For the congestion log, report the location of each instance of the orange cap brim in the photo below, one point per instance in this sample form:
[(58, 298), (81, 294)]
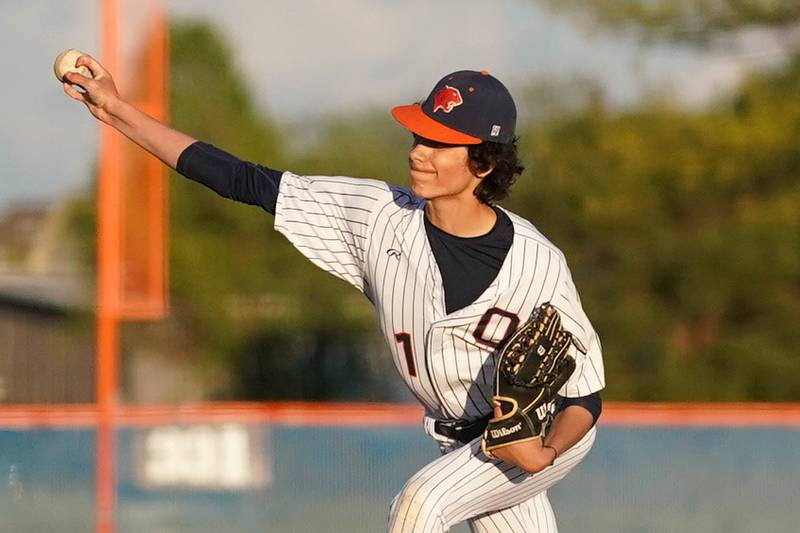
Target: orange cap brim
[(414, 120)]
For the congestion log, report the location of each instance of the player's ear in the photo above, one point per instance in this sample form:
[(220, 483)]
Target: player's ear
[(480, 161), (485, 173)]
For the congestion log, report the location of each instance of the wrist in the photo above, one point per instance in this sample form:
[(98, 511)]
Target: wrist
[(117, 109), (554, 450)]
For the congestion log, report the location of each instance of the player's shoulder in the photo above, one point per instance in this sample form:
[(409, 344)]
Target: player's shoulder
[(526, 232), (369, 186), (351, 185)]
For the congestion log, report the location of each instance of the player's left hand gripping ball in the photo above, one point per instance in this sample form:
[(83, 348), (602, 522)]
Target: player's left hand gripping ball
[(531, 368)]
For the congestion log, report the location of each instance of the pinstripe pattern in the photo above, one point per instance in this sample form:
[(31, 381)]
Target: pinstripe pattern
[(534, 516), (372, 235), (465, 485)]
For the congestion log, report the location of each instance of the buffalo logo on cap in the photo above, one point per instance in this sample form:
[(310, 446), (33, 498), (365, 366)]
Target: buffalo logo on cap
[(446, 99)]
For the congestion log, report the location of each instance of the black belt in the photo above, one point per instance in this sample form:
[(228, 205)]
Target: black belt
[(461, 430)]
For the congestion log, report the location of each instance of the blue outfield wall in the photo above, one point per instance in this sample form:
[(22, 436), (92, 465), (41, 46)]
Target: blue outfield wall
[(335, 479)]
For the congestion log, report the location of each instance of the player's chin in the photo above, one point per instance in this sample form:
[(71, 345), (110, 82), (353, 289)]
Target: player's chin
[(420, 190), (420, 183)]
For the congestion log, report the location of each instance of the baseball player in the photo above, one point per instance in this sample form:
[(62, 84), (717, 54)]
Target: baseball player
[(451, 276)]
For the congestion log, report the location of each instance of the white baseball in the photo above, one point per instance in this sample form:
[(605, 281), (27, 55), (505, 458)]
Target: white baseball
[(65, 62)]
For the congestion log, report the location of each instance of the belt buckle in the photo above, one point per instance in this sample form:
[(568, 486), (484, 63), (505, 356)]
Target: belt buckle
[(455, 429), (448, 428)]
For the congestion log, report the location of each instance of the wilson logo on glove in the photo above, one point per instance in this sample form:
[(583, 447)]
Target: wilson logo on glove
[(503, 432)]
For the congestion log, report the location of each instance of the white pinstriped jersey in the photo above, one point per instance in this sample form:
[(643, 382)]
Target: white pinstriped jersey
[(372, 235)]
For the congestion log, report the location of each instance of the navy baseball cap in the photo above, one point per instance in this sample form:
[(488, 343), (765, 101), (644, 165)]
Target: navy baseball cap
[(465, 107)]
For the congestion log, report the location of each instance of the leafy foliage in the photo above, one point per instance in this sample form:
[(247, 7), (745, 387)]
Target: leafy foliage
[(683, 232), (695, 21), (239, 286)]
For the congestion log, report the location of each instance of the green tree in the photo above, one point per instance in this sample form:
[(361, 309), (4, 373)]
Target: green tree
[(284, 327), (683, 232), (697, 21)]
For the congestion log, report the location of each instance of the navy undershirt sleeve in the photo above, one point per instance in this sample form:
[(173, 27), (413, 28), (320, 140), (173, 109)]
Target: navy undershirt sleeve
[(592, 403), (229, 176)]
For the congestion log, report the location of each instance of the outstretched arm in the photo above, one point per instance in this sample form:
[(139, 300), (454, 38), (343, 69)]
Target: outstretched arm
[(105, 103), (218, 170)]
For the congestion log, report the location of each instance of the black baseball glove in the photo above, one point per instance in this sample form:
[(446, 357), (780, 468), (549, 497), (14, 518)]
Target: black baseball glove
[(532, 366)]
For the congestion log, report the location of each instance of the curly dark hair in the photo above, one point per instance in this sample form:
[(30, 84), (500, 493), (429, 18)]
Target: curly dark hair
[(507, 166)]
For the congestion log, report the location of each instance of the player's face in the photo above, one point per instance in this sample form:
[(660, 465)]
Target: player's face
[(440, 170)]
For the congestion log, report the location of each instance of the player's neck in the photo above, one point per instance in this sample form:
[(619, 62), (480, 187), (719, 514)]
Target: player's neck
[(459, 218)]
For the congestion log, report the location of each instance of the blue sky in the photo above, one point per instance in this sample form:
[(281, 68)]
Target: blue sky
[(319, 56)]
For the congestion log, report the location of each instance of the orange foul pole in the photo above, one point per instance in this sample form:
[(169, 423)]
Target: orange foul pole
[(108, 268), (132, 203)]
